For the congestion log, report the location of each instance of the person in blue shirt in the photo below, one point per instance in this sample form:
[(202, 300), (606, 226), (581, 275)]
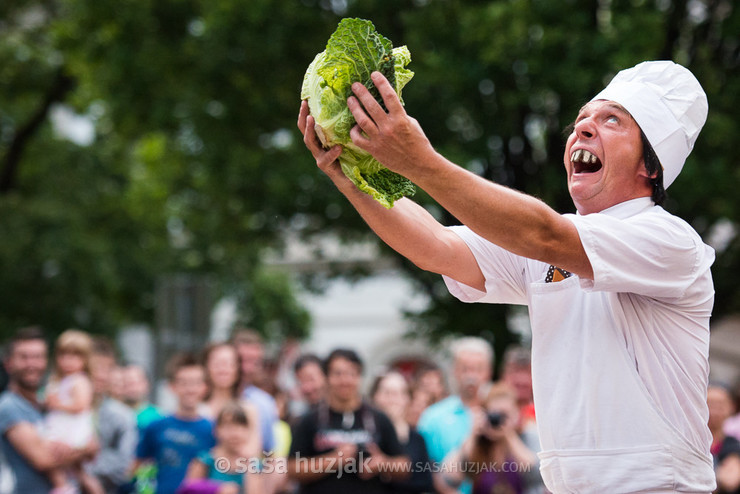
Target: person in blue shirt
[(446, 424), (173, 441)]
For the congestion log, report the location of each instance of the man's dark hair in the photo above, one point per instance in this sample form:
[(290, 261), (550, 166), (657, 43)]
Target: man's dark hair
[(344, 353), (25, 334), (304, 360), (653, 166), (180, 361)]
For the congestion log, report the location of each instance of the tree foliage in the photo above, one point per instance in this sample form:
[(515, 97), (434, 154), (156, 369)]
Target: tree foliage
[(196, 165)]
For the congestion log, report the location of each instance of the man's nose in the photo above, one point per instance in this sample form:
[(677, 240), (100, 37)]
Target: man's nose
[(584, 128)]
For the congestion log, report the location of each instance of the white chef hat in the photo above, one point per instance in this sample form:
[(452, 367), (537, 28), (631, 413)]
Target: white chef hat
[(668, 104)]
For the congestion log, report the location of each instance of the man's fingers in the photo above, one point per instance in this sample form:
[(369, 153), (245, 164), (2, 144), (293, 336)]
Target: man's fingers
[(309, 135), (371, 118), (323, 157), (388, 93), (329, 157), (358, 138), (366, 123), (302, 116), (369, 104)]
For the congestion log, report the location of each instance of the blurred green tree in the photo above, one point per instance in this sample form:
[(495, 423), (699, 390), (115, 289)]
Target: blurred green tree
[(193, 162)]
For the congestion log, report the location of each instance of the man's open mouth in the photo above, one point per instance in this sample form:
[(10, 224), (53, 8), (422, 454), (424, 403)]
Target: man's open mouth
[(584, 162)]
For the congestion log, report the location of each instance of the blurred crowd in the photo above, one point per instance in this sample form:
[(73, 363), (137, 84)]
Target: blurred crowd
[(74, 419)]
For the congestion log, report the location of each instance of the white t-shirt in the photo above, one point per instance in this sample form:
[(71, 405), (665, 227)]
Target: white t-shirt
[(620, 363)]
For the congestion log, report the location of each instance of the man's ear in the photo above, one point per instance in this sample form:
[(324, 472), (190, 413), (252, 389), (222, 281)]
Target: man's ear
[(643, 171)]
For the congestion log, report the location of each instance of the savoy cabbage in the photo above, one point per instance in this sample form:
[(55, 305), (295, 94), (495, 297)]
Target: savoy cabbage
[(353, 52)]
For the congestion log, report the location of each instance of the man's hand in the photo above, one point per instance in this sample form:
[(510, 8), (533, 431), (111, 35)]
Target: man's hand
[(59, 451), (393, 138), (62, 453), (91, 449), (326, 159)]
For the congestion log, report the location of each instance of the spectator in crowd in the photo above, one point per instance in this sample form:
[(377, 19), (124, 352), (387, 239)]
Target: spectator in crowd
[(517, 373), (115, 423), (222, 387), (390, 393), (332, 442), (117, 385), (251, 351), (173, 441), (230, 466), (494, 455), (420, 401), (69, 403), (309, 375), (136, 390), (27, 452), (431, 379), (446, 424), (725, 449)]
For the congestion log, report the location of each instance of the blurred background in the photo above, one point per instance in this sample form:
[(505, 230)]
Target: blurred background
[(154, 186)]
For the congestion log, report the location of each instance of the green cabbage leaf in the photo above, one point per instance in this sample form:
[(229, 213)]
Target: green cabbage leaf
[(353, 52)]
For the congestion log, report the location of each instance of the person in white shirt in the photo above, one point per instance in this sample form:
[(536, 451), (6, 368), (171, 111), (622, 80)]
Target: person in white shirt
[(619, 295)]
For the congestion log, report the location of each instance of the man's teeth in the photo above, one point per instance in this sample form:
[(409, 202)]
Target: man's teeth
[(583, 156)]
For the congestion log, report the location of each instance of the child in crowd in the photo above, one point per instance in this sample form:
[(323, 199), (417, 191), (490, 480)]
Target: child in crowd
[(69, 400), (173, 441), (227, 468)]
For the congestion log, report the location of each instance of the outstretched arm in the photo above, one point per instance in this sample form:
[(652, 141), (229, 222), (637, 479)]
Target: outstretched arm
[(517, 222), (407, 227)]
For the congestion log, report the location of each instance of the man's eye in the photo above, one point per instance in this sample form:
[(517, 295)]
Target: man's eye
[(612, 118)]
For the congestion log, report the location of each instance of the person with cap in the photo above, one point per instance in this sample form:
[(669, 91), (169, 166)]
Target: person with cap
[(619, 294)]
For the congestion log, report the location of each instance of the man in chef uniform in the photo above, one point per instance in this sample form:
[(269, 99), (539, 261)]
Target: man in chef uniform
[(619, 294)]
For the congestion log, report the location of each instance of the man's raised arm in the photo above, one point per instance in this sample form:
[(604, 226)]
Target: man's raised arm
[(517, 222), (407, 227)]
